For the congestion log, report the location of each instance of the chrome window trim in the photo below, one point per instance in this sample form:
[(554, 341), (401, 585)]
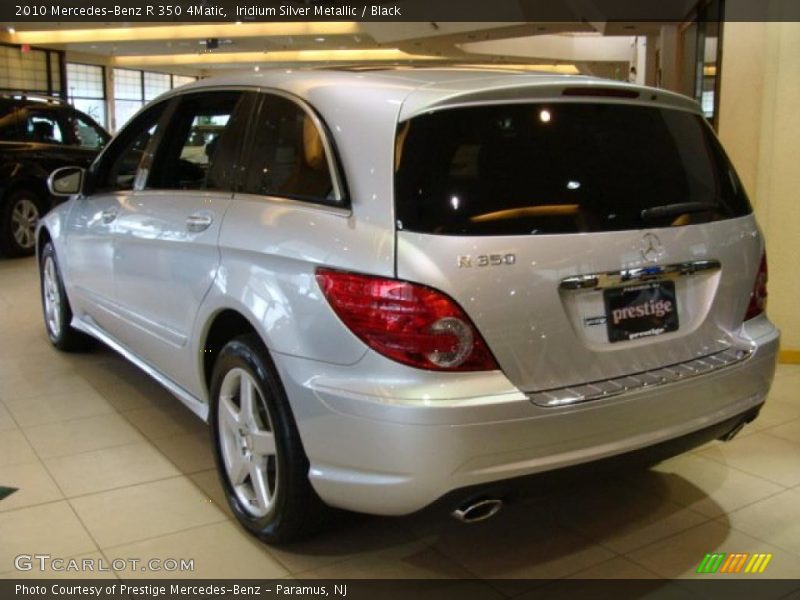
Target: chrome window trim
[(599, 281)]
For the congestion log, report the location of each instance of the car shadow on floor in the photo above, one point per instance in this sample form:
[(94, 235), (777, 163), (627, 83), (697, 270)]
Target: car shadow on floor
[(552, 525)]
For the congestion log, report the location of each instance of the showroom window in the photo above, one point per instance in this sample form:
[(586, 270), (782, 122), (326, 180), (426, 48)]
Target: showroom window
[(32, 70), (128, 94), (134, 88), (155, 84), (86, 90)]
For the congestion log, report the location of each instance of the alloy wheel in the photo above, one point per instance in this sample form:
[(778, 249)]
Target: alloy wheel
[(247, 441), (52, 297), (24, 217)]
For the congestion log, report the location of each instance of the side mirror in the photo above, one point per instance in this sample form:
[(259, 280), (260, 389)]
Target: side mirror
[(66, 181)]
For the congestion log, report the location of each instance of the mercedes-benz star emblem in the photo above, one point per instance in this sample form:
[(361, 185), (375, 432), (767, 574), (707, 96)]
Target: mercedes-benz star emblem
[(652, 249)]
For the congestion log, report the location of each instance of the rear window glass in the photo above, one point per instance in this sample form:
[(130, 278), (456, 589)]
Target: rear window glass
[(522, 169)]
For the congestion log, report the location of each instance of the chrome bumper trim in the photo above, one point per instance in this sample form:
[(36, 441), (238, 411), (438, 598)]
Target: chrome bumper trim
[(613, 387)]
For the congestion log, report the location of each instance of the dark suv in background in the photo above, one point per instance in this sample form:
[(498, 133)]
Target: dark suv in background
[(37, 135)]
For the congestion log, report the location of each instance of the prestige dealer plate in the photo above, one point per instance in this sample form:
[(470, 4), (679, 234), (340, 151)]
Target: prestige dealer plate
[(638, 311)]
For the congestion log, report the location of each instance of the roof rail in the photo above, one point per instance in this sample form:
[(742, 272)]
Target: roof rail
[(443, 64), (34, 96)]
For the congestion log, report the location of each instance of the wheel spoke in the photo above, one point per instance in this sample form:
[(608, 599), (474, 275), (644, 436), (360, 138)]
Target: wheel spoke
[(258, 478), (228, 414), (263, 443), (247, 391), (238, 467)]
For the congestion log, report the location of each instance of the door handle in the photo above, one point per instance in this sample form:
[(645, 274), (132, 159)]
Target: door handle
[(199, 222), (108, 215)]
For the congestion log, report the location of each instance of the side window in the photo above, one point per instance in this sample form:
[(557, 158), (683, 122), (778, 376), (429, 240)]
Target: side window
[(43, 128), (197, 148), (288, 155), (120, 163), (86, 134)]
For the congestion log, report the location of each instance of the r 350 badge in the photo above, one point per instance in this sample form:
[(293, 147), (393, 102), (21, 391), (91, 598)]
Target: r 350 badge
[(486, 260)]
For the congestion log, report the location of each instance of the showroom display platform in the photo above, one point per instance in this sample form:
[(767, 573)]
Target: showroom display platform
[(108, 466)]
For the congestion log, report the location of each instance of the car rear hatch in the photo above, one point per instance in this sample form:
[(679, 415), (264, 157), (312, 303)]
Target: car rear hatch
[(590, 232)]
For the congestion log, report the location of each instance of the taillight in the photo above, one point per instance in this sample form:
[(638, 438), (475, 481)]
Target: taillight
[(758, 297), (407, 322)]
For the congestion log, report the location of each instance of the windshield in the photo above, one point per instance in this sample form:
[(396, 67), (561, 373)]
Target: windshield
[(522, 169)]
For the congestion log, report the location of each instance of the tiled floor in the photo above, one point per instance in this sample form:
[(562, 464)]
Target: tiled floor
[(109, 465)]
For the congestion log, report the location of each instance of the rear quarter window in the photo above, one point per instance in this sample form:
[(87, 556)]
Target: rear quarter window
[(537, 169)]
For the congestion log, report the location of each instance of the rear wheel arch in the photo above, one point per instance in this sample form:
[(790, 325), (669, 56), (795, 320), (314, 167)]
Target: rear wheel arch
[(222, 327), (31, 184)]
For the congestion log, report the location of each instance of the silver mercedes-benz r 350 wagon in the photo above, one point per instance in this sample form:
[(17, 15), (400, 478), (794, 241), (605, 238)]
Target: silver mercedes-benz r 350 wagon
[(382, 288)]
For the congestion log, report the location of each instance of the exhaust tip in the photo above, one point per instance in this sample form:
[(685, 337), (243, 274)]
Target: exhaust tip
[(478, 510), (733, 432)]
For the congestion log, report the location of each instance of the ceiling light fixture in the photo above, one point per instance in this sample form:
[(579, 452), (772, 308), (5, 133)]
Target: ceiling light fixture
[(382, 54), (196, 31)]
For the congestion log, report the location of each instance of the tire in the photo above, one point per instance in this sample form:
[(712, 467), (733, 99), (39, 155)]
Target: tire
[(20, 213), (260, 458), (55, 306)]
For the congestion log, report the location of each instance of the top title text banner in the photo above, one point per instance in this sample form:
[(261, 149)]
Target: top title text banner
[(592, 11)]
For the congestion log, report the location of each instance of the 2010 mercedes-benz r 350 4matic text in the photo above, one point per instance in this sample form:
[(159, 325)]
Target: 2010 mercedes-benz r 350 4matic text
[(383, 287)]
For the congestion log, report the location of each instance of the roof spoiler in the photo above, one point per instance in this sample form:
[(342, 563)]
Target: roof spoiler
[(522, 88)]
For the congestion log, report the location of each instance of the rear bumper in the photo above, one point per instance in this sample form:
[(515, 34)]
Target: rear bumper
[(394, 445), (600, 468)]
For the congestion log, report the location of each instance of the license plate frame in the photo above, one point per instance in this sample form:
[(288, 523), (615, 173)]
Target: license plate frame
[(641, 310)]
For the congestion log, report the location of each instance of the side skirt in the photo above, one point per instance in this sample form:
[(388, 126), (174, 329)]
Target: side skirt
[(195, 405)]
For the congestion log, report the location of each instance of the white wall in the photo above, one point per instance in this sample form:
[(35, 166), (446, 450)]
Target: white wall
[(759, 123)]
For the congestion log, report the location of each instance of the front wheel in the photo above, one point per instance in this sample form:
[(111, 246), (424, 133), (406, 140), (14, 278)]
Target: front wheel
[(259, 456), (55, 306)]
